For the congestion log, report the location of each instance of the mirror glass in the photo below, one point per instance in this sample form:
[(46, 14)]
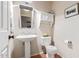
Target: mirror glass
[(26, 16)]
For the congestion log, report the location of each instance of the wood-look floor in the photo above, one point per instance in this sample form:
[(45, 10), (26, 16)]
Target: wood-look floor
[(44, 56)]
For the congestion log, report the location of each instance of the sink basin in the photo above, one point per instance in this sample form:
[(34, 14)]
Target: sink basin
[(25, 37)]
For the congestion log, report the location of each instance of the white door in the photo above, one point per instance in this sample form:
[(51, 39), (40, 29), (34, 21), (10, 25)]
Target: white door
[(4, 28)]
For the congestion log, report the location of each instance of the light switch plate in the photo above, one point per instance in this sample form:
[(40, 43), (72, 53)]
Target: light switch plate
[(69, 44)]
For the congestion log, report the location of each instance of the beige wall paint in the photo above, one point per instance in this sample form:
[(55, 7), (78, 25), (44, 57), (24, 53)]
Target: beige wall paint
[(66, 29), (42, 5)]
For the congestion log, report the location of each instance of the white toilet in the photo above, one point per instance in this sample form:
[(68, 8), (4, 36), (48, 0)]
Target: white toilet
[(50, 49)]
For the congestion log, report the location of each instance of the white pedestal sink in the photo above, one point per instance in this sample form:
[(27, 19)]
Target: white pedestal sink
[(26, 39)]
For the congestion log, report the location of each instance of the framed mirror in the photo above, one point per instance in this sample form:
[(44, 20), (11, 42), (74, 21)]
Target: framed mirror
[(26, 16)]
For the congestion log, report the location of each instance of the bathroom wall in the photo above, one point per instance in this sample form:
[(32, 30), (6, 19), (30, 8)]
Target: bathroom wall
[(43, 6), (66, 29)]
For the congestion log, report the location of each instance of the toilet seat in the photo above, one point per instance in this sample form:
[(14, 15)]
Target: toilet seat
[(51, 48)]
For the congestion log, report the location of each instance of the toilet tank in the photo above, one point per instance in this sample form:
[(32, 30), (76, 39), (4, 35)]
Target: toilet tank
[(45, 41)]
